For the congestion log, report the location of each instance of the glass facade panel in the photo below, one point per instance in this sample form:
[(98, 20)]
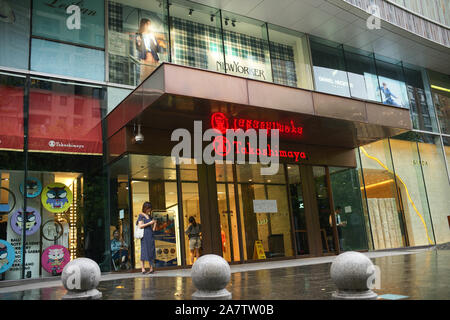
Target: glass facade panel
[(362, 75), (264, 212), (246, 47), (324, 210), (137, 39), (298, 210), (67, 60), (446, 141), (422, 111), (14, 33), (392, 84), (11, 111), (329, 67), (436, 181), (115, 96), (386, 213), (81, 22), (347, 201), (195, 36), (440, 89), (412, 191), (65, 117), (290, 58)]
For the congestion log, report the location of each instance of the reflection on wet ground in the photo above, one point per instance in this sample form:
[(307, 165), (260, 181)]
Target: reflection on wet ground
[(417, 276)]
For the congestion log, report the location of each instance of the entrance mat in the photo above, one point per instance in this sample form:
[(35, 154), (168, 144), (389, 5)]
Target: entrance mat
[(392, 296)]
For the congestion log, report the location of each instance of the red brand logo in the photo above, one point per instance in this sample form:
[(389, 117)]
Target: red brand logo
[(220, 122)]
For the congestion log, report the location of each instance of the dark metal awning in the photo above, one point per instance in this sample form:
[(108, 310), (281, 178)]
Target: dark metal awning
[(174, 96)]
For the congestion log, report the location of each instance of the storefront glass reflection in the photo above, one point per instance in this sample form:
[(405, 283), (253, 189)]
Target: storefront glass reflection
[(137, 40), (347, 199), (264, 213), (386, 211)]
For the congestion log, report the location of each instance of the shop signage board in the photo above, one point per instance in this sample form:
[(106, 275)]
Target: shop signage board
[(265, 206), (165, 238)]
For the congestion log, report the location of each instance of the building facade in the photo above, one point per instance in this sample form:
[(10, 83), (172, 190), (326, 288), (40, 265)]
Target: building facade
[(363, 117)]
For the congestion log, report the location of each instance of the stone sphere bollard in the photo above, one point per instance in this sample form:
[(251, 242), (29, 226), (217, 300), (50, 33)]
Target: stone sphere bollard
[(81, 277), (210, 275), (352, 273)]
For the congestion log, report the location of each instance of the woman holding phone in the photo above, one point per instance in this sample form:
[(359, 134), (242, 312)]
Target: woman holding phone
[(145, 221)]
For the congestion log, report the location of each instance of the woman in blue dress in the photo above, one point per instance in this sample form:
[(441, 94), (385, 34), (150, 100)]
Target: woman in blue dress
[(145, 221)]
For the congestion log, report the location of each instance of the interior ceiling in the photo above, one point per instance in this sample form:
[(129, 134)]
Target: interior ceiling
[(324, 19)]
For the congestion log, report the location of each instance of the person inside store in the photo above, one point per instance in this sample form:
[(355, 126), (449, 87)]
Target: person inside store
[(340, 224), (119, 249), (193, 232), (145, 221)]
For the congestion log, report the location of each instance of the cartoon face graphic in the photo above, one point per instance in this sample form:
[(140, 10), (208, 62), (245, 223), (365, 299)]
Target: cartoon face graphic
[(32, 221), (7, 255), (55, 256), (3, 255), (54, 259), (34, 187), (56, 197)]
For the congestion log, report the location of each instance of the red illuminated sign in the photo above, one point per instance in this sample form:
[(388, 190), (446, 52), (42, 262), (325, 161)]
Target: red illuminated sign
[(221, 122), (222, 146)]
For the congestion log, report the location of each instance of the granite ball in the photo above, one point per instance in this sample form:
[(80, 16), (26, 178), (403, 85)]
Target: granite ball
[(81, 275), (211, 273), (350, 271)]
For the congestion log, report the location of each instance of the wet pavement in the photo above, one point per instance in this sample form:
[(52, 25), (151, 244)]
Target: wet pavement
[(419, 276)]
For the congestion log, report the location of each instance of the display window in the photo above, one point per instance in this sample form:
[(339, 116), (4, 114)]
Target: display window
[(195, 34), (138, 40), (53, 235), (290, 58), (329, 68)]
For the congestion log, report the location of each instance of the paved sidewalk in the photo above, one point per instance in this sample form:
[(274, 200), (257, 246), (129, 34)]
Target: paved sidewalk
[(415, 274)]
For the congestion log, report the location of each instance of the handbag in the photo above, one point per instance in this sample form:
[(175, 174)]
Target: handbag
[(138, 232)]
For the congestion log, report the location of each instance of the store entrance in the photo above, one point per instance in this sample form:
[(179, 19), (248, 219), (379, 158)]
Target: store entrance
[(283, 215)]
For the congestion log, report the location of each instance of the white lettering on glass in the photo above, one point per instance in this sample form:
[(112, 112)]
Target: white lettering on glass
[(73, 21)]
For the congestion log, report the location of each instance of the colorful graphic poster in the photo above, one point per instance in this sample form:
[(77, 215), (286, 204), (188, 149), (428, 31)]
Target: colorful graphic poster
[(142, 41), (54, 259), (7, 256), (32, 221), (56, 197), (34, 187), (393, 92), (165, 239)]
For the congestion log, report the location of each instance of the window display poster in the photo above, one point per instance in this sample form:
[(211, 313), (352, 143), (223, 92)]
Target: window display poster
[(331, 81), (32, 221), (54, 259), (165, 238), (139, 36), (393, 92), (7, 255), (34, 187), (56, 197)]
